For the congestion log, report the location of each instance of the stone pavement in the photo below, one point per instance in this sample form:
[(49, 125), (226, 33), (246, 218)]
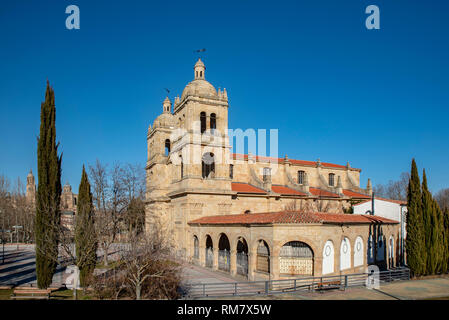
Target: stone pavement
[(401, 290)]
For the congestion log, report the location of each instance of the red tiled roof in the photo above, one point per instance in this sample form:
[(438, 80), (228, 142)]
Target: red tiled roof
[(323, 193), (286, 191), (237, 156), (293, 217), (384, 199), (245, 188), (352, 194)]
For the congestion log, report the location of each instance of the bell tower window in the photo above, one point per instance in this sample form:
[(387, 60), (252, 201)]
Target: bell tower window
[(167, 147), (213, 122), (266, 174), (203, 121), (208, 165), (231, 171)]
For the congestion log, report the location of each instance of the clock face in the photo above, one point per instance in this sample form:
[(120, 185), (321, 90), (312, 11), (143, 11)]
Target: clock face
[(327, 250)]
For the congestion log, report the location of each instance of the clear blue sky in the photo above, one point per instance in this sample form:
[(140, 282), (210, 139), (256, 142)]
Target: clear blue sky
[(335, 90)]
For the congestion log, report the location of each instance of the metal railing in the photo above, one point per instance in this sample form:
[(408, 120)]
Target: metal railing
[(224, 289)]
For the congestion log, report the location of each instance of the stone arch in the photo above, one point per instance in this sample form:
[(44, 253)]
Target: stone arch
[(208, 165), (345, 254), (203, 120), (262, 256), (209, 251), (224, 253), (328, 258), (196, 247), (391, 252), (358, 252), (296, 258), (242, 256)]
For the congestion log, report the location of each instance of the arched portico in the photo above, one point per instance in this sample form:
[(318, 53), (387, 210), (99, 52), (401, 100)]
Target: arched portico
[(209, 256), (224, 253), (242, 257), (296, 258)]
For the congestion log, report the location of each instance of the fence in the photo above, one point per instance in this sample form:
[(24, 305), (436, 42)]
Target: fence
[(291, 285)]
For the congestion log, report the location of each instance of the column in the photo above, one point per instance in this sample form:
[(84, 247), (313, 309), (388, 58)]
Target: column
[(233, 262)]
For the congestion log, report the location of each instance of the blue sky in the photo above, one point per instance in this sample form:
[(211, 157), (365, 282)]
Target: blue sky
[(335, 90)]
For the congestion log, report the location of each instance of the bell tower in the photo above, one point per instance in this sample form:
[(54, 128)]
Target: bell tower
[(31, 188), (200, 70)]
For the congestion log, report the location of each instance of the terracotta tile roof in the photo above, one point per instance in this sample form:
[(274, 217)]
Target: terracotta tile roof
[(238, 156), (323, 193), (246, 188), (384, 199), (352, 194), (286, 191), (291, 217)]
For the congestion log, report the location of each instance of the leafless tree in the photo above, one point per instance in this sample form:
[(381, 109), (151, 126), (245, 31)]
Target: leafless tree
[(396, 190), (442, 198)]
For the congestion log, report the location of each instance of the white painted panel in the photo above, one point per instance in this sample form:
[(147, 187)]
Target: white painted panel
[(345, 254), (328, 258)]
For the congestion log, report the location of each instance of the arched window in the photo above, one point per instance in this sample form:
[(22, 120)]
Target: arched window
[(231, 171), (331, 179), (345, 254), (213, 122), (301, 177), (196, 248), (266, 174), (328, 258), (208, 165), (209, 252), (203, 121), (182, 167), (201, 74), (167, 147), (358, 252)]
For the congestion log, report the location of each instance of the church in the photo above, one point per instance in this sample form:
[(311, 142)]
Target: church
[(255, 217)]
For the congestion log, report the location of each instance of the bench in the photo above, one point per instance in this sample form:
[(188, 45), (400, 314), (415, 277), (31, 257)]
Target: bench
[(328, 285), (27, 293)]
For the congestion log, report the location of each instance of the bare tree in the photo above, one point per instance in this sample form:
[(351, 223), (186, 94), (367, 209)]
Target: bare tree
[(396, 190), (442, 198)]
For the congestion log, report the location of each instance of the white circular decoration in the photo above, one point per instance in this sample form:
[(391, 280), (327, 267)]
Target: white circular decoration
[(359, 246), (345, 247), (327, 251)]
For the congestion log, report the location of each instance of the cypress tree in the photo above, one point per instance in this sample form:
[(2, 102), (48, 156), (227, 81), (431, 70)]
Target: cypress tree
[(428, 214), (438, 251), (85, 238), (445, 263), (415, 241), (48, 193)]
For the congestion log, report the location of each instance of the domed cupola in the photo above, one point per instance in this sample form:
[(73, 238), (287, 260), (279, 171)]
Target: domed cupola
[(199, 87), (166, 118)]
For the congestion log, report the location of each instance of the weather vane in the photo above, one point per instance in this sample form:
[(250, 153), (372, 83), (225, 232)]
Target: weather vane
[(199, 52)]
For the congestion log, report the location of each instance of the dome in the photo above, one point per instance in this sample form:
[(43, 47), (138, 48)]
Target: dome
[(199, 88), (164, 120)]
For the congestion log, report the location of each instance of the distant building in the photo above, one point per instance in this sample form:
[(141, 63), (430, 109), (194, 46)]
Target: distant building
[(67, 205), (390, 209)]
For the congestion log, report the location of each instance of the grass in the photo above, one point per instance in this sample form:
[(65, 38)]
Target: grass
[(66, 294), (5, 294)]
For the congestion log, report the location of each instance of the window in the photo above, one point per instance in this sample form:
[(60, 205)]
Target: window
[(213, 121), (203, 121), (231, 171), (266, 174), (182, 167), (301, 177), (201, 74), (331, 179), (167, 147), (208, 165)]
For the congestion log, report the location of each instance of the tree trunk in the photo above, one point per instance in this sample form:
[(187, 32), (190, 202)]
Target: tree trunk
[(105, 255), (138, 291)]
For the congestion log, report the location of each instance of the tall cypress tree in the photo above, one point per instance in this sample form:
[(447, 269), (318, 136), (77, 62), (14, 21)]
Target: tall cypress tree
[(85, 238), (48, 193), (427, 209), (415, 241), (445, 263), (437, 237)]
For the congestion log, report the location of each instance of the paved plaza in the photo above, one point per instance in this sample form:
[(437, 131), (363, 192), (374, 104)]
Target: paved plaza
[(19, 269)]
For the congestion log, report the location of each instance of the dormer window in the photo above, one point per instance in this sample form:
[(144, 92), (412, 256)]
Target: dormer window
[(266, 174), (301, 177), (331, 179)]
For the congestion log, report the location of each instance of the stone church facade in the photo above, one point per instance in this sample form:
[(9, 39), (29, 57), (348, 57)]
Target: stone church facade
[(261, 217), (67, 204)]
